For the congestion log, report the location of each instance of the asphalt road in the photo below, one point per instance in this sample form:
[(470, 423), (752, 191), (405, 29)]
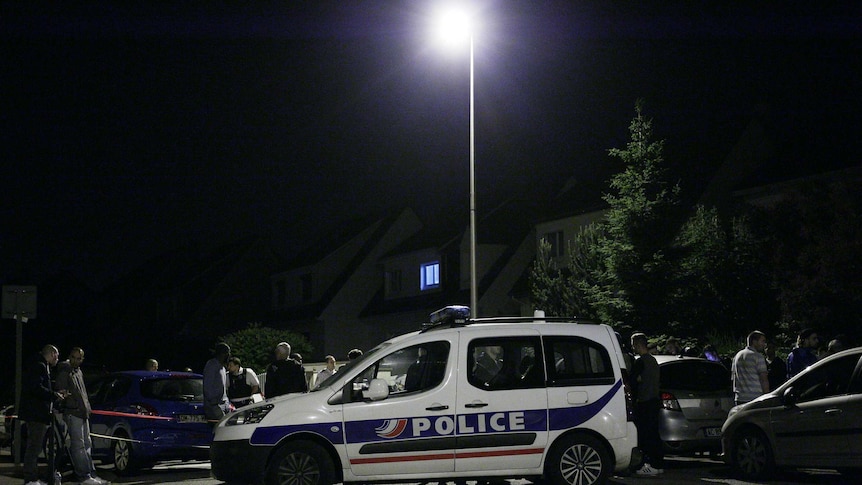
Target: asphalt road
[(678, 471)]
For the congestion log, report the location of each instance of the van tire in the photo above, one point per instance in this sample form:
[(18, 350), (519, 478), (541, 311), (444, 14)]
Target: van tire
[(300, 463), (578, 459)]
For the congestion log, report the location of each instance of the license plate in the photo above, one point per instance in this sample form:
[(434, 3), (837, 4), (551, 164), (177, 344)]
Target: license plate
[(712, 432), (191, 418)]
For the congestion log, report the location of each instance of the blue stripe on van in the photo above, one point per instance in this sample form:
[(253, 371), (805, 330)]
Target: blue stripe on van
[(569, 417)]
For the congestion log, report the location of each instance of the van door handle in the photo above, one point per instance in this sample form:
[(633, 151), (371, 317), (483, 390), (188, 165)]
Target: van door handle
[(833, 412), (439, 407), (476, 405)]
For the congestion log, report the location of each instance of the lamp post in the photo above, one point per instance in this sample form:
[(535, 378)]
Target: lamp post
[(454, 24)]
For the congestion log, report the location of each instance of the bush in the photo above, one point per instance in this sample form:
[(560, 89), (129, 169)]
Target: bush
[(254, 345)]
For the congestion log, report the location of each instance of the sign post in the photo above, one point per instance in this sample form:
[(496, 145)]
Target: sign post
[(19, 302)]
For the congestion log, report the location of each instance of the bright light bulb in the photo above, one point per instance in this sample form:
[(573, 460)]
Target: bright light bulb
[(453, 25)]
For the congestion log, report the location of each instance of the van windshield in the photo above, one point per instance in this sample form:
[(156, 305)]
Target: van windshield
[(350, 365)]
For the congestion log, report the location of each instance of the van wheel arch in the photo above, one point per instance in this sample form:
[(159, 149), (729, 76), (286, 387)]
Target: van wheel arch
[(585, 440), (318, 440)]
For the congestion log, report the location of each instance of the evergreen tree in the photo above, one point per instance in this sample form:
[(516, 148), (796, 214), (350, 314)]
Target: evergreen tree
[(723, 280), (817, 257), (642, 219)]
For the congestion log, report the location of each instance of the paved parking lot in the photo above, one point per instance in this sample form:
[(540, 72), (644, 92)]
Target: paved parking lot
[(679, 471)]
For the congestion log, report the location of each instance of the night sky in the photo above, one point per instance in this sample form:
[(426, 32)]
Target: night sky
[(131, 130)]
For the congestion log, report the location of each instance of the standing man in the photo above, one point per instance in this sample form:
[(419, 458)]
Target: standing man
[(776, 368), (327, 371), (803, 355), (284, 375), (216, 403), (749, 370), (76, 413), (645, 377), (37, 401), (243, 383)]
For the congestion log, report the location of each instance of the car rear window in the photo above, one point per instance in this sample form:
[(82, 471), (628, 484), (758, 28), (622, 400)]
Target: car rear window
[(695, 376), (174, 389)]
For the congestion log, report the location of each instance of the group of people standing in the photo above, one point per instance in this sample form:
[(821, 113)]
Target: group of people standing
[(66, 394), (756, 369), (228, 385)]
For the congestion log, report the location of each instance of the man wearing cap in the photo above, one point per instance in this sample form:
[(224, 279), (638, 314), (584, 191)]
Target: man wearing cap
[(216, 403), (284, 375)]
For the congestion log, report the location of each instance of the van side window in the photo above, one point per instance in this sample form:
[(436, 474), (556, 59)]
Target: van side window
[(576, 361), (410, 370), (505, 363)]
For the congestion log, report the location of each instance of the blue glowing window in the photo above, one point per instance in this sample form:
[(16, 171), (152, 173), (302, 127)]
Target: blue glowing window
[(429, 275)]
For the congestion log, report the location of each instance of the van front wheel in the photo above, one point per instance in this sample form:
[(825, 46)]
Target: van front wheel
[(300, 463), (578, 460)]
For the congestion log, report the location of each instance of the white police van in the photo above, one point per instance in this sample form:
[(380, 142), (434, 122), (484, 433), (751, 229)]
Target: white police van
[(462, 399)]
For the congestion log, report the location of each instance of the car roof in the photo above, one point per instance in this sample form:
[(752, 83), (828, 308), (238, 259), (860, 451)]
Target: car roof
[(142, 374)]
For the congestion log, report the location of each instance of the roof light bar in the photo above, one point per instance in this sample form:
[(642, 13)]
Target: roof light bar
[(454, 314)]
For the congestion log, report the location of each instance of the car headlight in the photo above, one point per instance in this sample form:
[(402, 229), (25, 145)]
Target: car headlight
[(249, 416)]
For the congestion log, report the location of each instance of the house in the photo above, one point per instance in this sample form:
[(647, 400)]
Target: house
[(179, 303), (385, 278)]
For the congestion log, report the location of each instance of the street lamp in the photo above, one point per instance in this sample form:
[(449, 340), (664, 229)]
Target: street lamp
[(454, 25)]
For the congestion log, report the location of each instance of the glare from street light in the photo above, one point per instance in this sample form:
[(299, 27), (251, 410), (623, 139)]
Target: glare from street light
[(453, 25)]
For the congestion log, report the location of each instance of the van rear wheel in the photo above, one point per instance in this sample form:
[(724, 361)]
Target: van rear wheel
[(300, 463), (578, 460)]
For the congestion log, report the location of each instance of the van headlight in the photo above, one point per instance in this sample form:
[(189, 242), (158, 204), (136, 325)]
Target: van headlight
[(249, 416)]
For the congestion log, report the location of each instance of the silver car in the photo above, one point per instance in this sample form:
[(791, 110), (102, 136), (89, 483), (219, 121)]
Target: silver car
[(696, 397), (813, 420)]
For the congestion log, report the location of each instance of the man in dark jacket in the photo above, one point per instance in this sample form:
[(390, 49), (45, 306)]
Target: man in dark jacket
[(216, 403), (803, 355), (37, 401), (285, 375)]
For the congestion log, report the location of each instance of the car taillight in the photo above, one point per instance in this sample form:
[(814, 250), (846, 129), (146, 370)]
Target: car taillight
[(669, 402), (144, 409)]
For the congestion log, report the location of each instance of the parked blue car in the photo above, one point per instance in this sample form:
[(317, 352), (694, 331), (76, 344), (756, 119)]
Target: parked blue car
[(141, 417)]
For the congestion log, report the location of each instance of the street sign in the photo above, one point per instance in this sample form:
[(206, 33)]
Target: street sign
[(20, 301)]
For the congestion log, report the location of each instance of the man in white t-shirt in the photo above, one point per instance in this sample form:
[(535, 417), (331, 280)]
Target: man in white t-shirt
[(326, 372), (749, 371)]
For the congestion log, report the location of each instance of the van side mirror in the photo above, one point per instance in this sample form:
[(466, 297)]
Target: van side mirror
[(378, 390), (790, 396)]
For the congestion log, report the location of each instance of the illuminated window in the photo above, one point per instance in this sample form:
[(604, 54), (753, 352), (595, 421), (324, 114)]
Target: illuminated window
[(429, 276)]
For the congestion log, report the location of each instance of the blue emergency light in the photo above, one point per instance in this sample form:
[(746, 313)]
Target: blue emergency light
[(453, 314)]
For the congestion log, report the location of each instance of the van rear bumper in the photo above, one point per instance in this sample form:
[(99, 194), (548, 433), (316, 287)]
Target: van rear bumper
[(238, 461)]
